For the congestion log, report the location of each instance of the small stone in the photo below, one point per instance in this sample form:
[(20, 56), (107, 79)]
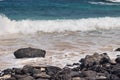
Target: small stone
[(101, 78), (76, 78), (42, 69), (41, 75)]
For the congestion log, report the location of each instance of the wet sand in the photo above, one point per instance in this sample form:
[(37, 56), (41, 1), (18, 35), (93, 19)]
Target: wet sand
[(62, 48)]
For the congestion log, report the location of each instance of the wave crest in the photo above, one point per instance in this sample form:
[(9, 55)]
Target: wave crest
[(103, 3), (32, 26), (113, 0)]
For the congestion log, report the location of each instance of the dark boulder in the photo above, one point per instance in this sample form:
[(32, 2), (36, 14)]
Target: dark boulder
[(95, 59), (64, 74), (41, 75), (6, 72), (92, 75), (89, 73), (116, 70), (28, 70), (36, 71), (105, 58), (52, 70), (117, 59), (118, 49), (17, 71), (76, 69), (113, 77), (29, 53), (75, 73)]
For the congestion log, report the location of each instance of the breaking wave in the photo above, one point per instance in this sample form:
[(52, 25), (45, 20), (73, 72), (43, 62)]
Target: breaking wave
[(32, 26), (103, 3), (113, 0)]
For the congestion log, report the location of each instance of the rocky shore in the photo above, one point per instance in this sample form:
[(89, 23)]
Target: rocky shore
[(92, 67)]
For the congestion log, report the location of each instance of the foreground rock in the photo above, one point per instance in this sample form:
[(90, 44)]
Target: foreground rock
[(118, 49), (29, 53), (95, 59), (92, 67)]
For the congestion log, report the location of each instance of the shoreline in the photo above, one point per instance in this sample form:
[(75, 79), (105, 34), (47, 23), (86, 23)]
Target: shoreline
[(62, 49), (74, 71)]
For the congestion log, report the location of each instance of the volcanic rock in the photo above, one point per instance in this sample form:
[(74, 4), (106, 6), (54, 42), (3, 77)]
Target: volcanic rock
[(52, 70), (64, 74), (95, 59), (92, 67), (117, 59), (23, 77), (42, 75), (29, 53), (118, 49)]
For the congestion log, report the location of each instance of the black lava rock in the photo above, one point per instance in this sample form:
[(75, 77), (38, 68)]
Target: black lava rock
[(117, 59), (118, 49), (52, 70), (64, 74), (29, 53), (92, 67)]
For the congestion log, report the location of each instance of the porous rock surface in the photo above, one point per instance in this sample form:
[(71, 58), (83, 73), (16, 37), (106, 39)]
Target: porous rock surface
[(92, 67)]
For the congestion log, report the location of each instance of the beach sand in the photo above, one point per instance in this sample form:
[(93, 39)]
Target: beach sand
[(62, 48)]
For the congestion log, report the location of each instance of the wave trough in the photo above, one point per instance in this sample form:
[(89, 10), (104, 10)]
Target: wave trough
[(32, 26)]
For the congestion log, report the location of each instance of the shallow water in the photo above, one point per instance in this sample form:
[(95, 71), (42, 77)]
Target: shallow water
[(62, 48)]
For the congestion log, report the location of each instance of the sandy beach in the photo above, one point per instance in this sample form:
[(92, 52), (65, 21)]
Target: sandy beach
[(62, 49)]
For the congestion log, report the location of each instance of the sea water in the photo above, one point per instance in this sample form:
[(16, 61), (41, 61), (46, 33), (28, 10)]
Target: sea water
[(67, 29)]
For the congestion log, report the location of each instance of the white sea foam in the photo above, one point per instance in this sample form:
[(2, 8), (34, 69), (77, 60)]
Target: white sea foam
[(31, 26), (103, 3), (114, 0)]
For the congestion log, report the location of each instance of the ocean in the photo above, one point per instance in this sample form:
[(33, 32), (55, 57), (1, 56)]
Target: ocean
[(67, 29)]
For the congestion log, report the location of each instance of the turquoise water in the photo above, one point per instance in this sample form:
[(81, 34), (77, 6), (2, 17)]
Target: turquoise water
[(30, 16), (58, 9)]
